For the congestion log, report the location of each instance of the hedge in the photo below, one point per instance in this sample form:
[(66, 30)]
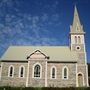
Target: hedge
[(43, 88)]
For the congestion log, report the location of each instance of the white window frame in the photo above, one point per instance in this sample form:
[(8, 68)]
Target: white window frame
[(76, 39), (9, 71), (40, 71), (20, 71), (77, 47), (63, 72), (79, 39), (51, 72)]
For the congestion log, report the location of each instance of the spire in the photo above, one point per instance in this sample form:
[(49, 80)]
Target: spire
[(76, 27), (76, 17)]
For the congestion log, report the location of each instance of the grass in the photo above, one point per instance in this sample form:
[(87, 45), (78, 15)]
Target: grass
[(43, 88)]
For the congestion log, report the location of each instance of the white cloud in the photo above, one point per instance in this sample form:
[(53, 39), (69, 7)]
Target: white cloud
[(27, 29), (30, 26)]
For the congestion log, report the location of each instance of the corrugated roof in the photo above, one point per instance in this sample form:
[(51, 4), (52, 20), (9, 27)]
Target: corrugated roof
[(56, 53)]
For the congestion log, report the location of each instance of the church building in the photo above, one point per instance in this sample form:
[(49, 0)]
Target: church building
[(47, 66)]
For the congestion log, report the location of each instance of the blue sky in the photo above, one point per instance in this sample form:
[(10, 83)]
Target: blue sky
[(41, 22)]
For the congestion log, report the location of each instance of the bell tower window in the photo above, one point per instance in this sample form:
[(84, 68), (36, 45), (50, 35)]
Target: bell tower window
[(75, 39), (79, 39)]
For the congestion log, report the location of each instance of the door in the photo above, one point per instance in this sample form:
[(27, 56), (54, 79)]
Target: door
[(80, 80)]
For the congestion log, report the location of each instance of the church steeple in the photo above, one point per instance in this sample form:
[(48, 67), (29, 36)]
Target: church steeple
[(77, 42), (76, 27)]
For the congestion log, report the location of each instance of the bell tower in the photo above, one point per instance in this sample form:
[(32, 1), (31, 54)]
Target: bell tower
[(77, 42)]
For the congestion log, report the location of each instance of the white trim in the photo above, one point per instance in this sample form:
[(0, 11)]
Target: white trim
[(40, 59), (76, 39), (1, 70), (77, 47), (71, 42), (63, 73), (85, 50), (79, 39), (40, 71), (46, 75), (83, 78), (76, 77), (55, 72), (86, 66), (9, 71), (84, 44), (85, 58), (27, 74), (87, 75), (20, 71)]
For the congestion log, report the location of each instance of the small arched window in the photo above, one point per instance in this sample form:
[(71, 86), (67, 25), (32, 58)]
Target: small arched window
[(53, 72), (37, 71), (75, 39), (79, 39), (21, 71), (65, 73), (11, 71)]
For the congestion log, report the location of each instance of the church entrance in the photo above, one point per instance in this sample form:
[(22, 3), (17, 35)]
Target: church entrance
[(80, 80)]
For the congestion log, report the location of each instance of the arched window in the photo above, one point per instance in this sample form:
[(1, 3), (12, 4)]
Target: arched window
[(75, 39), (79, 39), (53, 72), (11, 71), (65, 73), (21, 71), (37, 71)]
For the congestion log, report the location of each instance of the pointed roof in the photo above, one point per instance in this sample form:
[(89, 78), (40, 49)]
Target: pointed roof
[(76, 17), (37, 55), (76, 27)]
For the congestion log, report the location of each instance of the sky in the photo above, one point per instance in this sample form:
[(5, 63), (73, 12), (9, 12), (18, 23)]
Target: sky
[(41, 22)]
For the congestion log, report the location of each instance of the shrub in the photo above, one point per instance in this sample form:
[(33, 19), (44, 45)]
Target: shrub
[(43, 88)]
